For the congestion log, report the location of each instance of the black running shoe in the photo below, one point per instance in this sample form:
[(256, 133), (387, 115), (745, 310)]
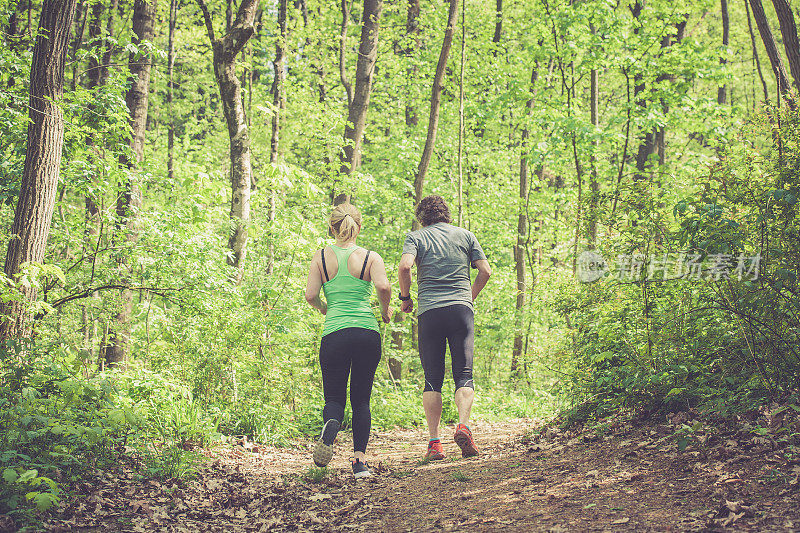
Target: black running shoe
[(360, 469), (323, 452)]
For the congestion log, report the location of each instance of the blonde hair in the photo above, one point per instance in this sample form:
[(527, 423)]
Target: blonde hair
[(345, 221)]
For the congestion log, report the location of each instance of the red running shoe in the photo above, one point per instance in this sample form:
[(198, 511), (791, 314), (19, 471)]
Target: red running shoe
[(463, 438), (435, 451)]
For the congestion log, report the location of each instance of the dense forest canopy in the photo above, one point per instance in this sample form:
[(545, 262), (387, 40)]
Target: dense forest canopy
[(169, 227)]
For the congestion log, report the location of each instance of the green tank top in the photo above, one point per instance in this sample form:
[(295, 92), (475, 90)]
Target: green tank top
[(348, 298)]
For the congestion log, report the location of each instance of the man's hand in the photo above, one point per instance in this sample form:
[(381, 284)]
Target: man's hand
[(387, 317), (407, 306)]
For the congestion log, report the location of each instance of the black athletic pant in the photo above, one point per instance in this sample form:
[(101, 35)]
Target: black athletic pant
[(354, 353), (455, 325)]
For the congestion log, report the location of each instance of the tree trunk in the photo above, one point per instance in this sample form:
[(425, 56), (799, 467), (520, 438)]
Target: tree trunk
[(771, 47), (413, 32), (653, 141), (722, 92), (522, 234), (755, 52), (594, 185), (225, 51), (790, 41), (278, 105), (461, 115), (498, 22), (436, 94), (348, 87), (130, 200), (173, 20), (40, 174), (350, 156)]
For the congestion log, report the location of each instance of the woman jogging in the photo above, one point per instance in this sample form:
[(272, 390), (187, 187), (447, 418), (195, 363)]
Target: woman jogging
[(443, 254), (351, 342)]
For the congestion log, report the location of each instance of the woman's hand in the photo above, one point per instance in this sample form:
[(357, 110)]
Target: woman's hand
[(387, 316)]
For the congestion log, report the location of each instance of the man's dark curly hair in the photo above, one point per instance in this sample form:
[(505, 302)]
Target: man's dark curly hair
[(433, 209)]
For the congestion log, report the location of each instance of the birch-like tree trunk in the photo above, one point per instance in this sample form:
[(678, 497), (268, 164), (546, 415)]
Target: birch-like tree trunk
[(40, 174)]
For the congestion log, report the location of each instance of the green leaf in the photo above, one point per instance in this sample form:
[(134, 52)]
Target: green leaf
[(28, 475), (10, 475)]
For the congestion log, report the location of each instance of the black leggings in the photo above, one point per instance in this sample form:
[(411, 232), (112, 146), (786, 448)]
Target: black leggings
[(454, 324), (353, 352)]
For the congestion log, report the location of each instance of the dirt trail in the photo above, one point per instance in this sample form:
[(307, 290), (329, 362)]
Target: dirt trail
[(632, 478)]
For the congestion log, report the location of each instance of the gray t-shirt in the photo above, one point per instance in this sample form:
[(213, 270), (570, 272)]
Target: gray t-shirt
[(444, 254)]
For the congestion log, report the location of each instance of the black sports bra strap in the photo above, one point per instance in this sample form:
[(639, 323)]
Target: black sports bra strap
[(324, 267), (364, 267)]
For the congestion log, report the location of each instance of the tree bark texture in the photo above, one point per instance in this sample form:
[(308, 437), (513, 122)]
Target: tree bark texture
[(40, 175), (790, 40), (771, 47), (436, 95), (225, 51), (365, 68)]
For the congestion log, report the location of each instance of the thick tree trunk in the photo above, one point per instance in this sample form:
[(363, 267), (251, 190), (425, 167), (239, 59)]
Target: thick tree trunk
[(771, 47), (350, 155), (522, 234), (129, 202), (40, 174), (790, 40), (225, 51), (436, 95), (722, 92)]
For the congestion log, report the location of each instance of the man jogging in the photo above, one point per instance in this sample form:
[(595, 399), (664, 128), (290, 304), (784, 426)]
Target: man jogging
[(443, 254)]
